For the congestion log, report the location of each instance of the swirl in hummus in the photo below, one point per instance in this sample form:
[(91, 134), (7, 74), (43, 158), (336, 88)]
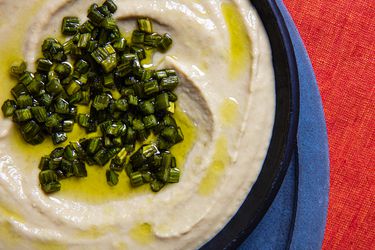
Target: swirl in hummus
[(227, 105)]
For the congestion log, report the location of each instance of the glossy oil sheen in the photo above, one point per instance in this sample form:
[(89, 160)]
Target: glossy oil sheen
[(11, 47), (229, 111), (142, 234), (220, 160), (240, 43)]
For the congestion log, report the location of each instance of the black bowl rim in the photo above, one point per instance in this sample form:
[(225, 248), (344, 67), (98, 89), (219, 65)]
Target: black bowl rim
[(284, 134)]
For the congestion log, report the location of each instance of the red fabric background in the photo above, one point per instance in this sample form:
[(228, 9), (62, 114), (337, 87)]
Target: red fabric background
[(340, 39)]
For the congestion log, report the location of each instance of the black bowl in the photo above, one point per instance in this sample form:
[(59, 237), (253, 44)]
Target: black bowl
[(283, 139)]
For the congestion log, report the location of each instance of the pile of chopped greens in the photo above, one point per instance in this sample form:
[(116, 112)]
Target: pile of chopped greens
[(86, 70)]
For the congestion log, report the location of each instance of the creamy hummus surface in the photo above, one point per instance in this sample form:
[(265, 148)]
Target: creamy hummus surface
[(226, 110)]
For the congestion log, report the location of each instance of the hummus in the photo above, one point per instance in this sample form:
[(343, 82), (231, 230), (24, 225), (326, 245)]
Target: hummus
[(226, 110)]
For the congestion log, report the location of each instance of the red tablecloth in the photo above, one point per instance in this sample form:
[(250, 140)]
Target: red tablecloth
[(340, 39)]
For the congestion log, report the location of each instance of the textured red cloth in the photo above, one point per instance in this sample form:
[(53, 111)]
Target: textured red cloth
[(340, 39)]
